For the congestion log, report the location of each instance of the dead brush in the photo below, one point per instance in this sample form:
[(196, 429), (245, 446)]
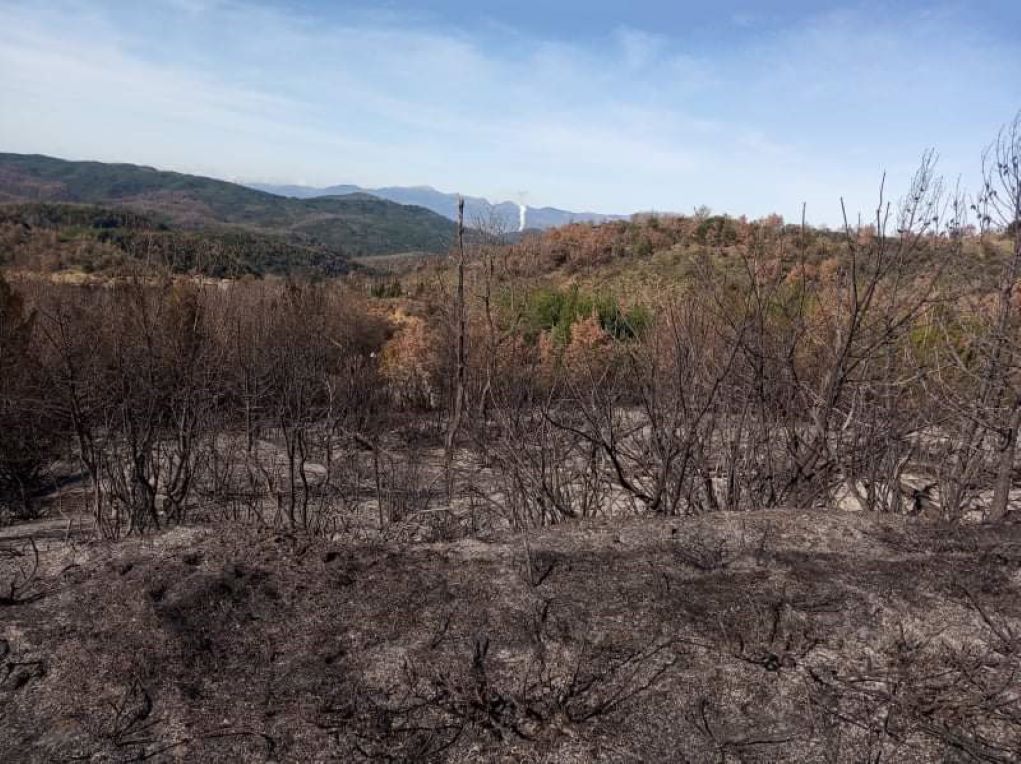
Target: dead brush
[(704, 552), (404, 486), (537, 565), (16, 672), (918, 694), (941, 538), (771, 632), (439, 707), (131, 722), (725, 739), (22, 585)]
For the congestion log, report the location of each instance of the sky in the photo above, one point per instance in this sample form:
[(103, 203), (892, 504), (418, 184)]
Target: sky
[(743, 107)]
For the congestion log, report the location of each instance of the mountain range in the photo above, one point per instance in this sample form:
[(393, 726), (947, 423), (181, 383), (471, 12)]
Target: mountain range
[(349, 225), (190, 223), (479, 212)]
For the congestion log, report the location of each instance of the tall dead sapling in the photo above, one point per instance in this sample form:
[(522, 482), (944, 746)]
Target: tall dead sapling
[(24, 434), (490, 232), (75, 325), (193, 362), (1000, 204), (888, 280), (760, 396), (132, 463), (302, 355), (975, 381), (460, 374), (880, 426)]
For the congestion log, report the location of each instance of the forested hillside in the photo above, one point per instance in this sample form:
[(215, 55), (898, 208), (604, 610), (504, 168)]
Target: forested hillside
[(51, 237), (354, 225)]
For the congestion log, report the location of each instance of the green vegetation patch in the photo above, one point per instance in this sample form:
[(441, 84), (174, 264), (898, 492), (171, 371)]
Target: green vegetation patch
[(555, 311)]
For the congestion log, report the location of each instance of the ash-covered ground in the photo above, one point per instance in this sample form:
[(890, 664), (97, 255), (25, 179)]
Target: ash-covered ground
[(762, 636)]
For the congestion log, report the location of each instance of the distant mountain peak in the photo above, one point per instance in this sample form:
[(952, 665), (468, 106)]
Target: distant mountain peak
[(510, 215)]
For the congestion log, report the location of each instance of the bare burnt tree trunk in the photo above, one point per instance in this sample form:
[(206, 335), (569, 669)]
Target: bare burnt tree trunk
[(461, 354), (1002, 197), (490, 231), (1005, 465), (980, 384)]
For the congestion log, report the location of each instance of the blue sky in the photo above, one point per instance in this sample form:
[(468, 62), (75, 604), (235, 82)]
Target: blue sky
[(746, 107)]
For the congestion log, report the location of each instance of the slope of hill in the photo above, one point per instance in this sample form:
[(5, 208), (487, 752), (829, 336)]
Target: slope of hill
[(475, 208), (356, 224), (49, 237)]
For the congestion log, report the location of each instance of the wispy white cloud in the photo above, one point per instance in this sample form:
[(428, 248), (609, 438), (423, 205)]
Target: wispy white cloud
[(636, 120)]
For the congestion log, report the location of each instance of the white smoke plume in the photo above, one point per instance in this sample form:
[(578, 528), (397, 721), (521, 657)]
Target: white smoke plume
[(522, 213)]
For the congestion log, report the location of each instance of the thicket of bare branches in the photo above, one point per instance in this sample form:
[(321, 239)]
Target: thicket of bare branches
[(172, 395), (880, 377), (872, 368)]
